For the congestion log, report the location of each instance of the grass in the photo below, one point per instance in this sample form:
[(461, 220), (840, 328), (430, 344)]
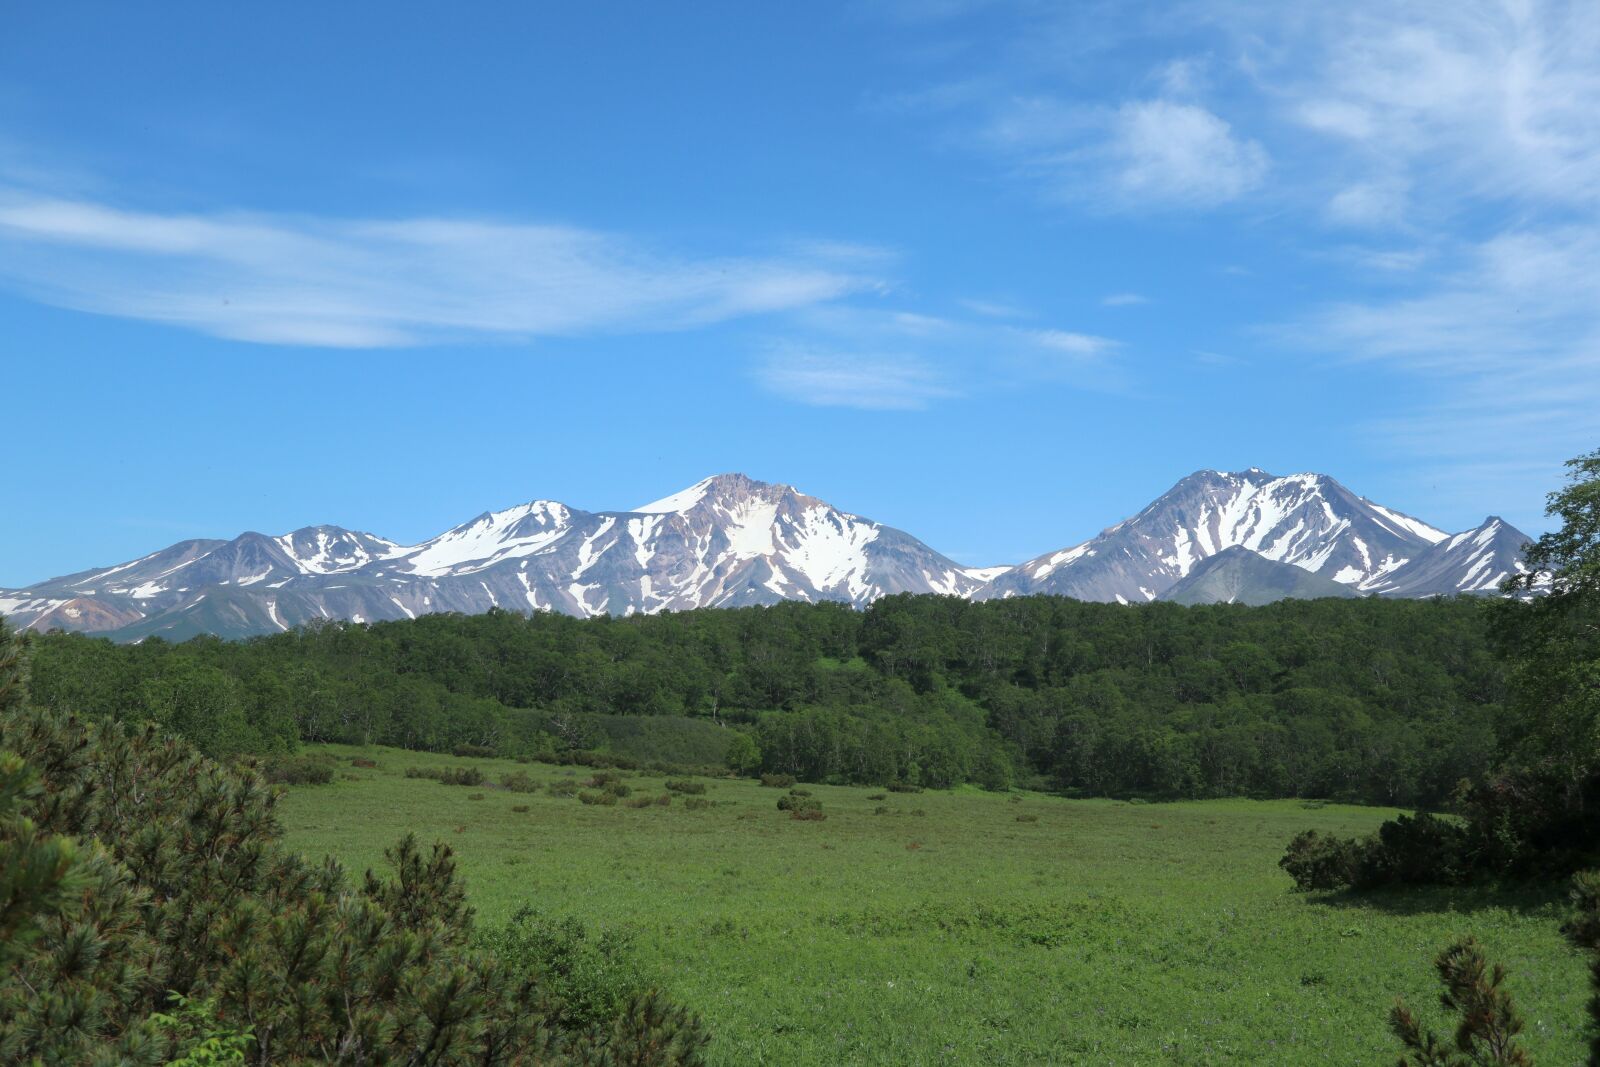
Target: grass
[(954, 929)]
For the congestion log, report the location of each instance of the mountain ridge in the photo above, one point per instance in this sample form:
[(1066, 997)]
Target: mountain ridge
[(730, 540)]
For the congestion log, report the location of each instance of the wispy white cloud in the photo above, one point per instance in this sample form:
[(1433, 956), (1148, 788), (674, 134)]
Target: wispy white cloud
[(885, 358), (1122, 300), (993, 309), (1144, 154), (1163, 152), (1497, 361), (359, 283), (854, 380), (1080, 345)]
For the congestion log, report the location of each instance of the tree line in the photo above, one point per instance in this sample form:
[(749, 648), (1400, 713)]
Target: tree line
[(1378, 701)]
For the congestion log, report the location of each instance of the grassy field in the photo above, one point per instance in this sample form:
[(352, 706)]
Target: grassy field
[(965, 927)]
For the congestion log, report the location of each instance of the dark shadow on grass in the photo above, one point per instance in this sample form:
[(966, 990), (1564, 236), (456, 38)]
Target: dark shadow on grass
[(1544, 899)]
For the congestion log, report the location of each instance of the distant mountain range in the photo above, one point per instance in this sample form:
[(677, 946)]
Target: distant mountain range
[(1246, 537)]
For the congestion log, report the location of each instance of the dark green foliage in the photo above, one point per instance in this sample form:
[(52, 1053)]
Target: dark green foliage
[(687, 788), (792, 802), (1584, 933), (1486, 1033), (519, 782), (604, 800), (898, 786), (474, 751), (777, 781), (585, 977), (696, 804), (1537, 812), (652, 1032), (1322, 861), (448, 775), (177, 928), (1380, 701), (300, 770), (808, 814)]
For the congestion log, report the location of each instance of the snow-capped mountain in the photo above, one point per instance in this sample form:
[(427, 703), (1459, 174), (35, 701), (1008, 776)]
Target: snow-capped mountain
[(1307, 520), (1473, 562), (724, 541), (729, 541)]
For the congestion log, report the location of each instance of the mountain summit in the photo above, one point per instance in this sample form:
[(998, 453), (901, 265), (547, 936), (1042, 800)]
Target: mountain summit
[(729, 541), (725, 541), (1307, 520)]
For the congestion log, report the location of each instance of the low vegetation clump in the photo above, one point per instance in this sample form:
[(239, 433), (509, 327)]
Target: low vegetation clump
[(473, 750), (519, 782), (777, 781), (796, 802), (300, 770), (696, 804), (468, 776), (688, 788), (604, 800), (898, 786)]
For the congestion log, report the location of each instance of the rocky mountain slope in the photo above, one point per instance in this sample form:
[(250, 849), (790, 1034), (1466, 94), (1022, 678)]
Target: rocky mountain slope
[(724, 541), (1239, 576), (1307, 520), (730, 541)]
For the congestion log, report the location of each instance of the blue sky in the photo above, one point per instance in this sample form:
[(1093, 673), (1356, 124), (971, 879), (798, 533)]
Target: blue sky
[(995, 273)]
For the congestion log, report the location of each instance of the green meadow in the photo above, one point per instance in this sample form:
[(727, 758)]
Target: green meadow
[(961, 926)]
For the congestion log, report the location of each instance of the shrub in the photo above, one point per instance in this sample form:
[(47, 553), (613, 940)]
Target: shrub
[(564, 787), (520, 809), (808, 815), (664, 800), (605, 800), (519, 782), (790, 802), (1408, 850), (474, 796), (696, 804), (301, 770), (181, 857), (899, 786), (1027, 817), (369, 764), (460, 776), (799, 792), (423, 772), (674, 785), (777, 781), (617, 789), (589, 977), (476, 751), (877, 796), (880, 810), (1490, 1023)]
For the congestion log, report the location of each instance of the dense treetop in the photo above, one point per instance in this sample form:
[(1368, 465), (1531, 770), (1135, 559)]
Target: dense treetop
[(1375, 700)]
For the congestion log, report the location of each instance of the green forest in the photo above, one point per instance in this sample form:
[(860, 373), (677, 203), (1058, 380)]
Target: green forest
[(1374, 701)]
